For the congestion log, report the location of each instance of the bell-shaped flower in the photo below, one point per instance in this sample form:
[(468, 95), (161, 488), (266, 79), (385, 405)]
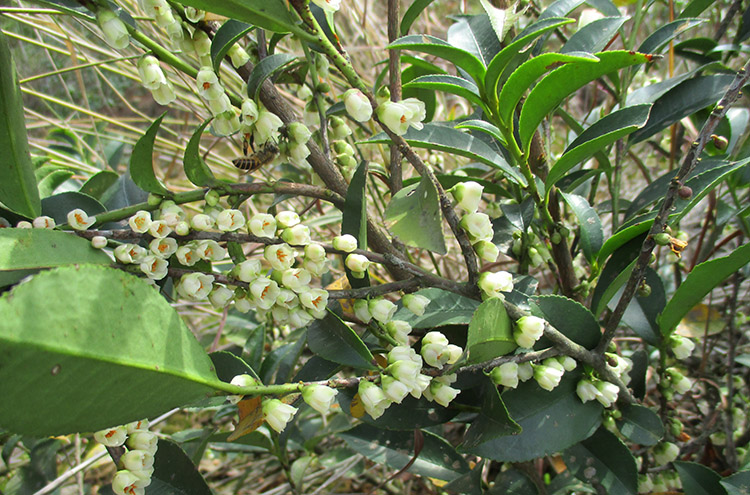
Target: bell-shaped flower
[(404, 353), (682, 347), (230, 220), (129, 253), (171, 213), (299, 318), (137, 460), (567, 362), (528, 330), (140, 425), (227, 123), (154, 267), (405, 371), (665, 453), (79, 219), (195, 286), (159, 228), (262, 225), (249, 112), (265, 292), (186, 256), (398, 116), (286, 219), (277, 414), (140, 222), (441, 393), (319, 397), (315, 252), (357, 105), (296, 279), (415, 303), (247, 270), (143, 440), (220, 296), (267, 127), (586, 390), (208, 83), (210, 250), (164, 94), (468, 195), (399, 330), (362, 310), (339, 129), (202, 222), (298, 133), (280, 256), (201, 43), (346, 243), (43, 222), (126, 483), (478, 226), (314, 299), (238, 56), (194, 15), (287, 298), (328, 5), (219, 105), (298, 235), (382, 309), (493, 284), (298, 154), (506, 375), (547, 377), (395, 390), (421, 384), (373, 399), (153, 8), (357, 263), (487, 251), (150, 72), (112, 437), (606, 392), (163, 248), (525, 371), (680, 383), (114, 29)]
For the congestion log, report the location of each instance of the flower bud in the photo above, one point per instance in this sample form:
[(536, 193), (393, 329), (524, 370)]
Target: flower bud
[(299, 235), (319, 397), (238, 56), (339, 129), (299, 133), (382, 309), (399, 330), (415, 303), (506, 375), (267, 127), (525, 371), (315, 252), (478, 226), (357, 263), (468, 195), (346, 243), (665, 452), (277, 414), (112, 437), (137, 460), (373, 399), (357, 105), (487, 251), (494, 283), (115, 31), (362, 310), (286, 219)]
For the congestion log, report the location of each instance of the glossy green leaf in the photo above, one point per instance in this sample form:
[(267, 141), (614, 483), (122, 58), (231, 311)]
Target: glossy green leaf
[(550, 421), (196, 169), (614, 275), (111, 338), (450, 140), (412, 13), (228, 365), (564, 81), (141, 161), (642, 313), (640, 425), (660, 38), (448, 84), (490, 333), (279, 364), (469, 483), (122, 193), (570, 317), (685, 99), (354, 217), (492, 422), (331, 339), (603, 460), (98, 183), (592, 235), (265, 69), (737, 484), (437, 459), (414, 216), (482, 126), (175, 473), (18, 189), (637, 226), (475, 35), (594, 36), (445, 308), (700, 282), (435, 46), (500, 62), (227, 35), (695, 8), (559, 8), (267, 14), (22, 249), (602, 133), (53, 180), (698, 479), (410, 414), (59, 205), (524, 77)]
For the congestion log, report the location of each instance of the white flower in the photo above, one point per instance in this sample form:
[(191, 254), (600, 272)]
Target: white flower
[(243, 304), (399, 330), (567, 362), (680, 383), (287, 298), (220, 296), (140, 222), (531, 326), (468, 195), (126, 483), (547, 377), (238, 56), (296, 279), (494, 283), (606, 392), (357, 105), (277, 414), (373, 399), (210, 250), (230, 220), (415, 303), (299, 235), (523, 340), (299, 318), (286, 219), (164, 94), (362, 310), (249, 111), (247, 270), (525, 371), (487, 251), (395, 116), (194, 15), (201, 43), (682, 347), (79, 219), (394, 389), (264, 291), (182, 228), (195, 286), (382, 310), (23, 224), (142, 424), (150, 72), (201, 222), (328, 5), (298, 133), (267, 127), (98, 242), (240, 381), (154, 7), (137, 460), (506, 375), (315, 252), (115, 31), (112, 437), (319, 397), (143, 440), (280, 256), (405, 371), (262, 225), (665, 452), (478, 226), (454, 353), (404, 353), (186, 256), (314, 299), (159, 228), (442, 394), (43, 222), (154, 267), (298, 154), (421, 384), (357, 263), (346, 243), (219, 105), (227, 123), (163, 248), (208, 83), (586, 390), (129, 253)]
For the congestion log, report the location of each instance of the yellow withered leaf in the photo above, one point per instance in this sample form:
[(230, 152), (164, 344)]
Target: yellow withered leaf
[(356, 408), (251, 417)]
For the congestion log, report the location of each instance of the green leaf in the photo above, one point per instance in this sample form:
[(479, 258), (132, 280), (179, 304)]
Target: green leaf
[(111, 338), (643, 312), (482, 126), (227, 35), (685, 99), (524, 77), (448, 84), (564, 81), (592, 235), (279, 364), (698, 479), (570, 317), (500, 62), (450, 140), (490, 333), (18, 190), (98, 184), (640, 425), (550, 421), (175, 473), (635, 227), (411, 14), (22, 249), (700, 282), (141, 161), (594, 36), (602, 133), (695, 8), (614, 275), (410, 414), (437, 459), (492, 422), (415, 217), (474, 34), (53, 180), (267, 14), (445, 308), (435, 46), (59, 205), (660, 38), (354, 217), (265, 69), (331, 339), (196, 169), (603, 460), (737, 484), (228, 365)]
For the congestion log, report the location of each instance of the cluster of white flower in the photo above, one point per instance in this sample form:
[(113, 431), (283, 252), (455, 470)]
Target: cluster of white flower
[(547, 374), (153, 79), (138, 462), (398, 116), (226, 116), (166, 18)]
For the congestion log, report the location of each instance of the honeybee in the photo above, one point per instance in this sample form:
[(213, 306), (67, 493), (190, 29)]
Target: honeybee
[(264, 156)]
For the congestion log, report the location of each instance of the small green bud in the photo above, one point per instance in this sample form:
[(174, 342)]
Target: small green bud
[(720, 142), (154, 200), (212, 197), (556, 238), (662, 239), (644, 290), (323, 88)]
